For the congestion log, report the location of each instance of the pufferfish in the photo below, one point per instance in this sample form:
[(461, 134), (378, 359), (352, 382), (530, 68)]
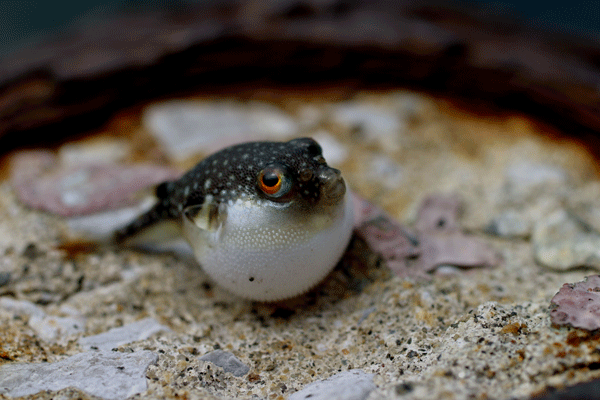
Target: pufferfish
[(266, 220)]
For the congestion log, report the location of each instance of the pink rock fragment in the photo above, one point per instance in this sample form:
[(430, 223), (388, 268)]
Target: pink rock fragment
[(437, 239), (439, 214), (42, 183), (441, 240), (458, 250), (395, 243), (578, 304)]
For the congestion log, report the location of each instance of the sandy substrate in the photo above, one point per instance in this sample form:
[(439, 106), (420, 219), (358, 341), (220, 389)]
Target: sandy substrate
[(476, 333)]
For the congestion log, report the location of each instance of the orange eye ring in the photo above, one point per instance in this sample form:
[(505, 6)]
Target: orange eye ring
[(273, 181), (269, 182)]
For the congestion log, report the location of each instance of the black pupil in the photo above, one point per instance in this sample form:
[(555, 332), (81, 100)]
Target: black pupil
[(270, 179)]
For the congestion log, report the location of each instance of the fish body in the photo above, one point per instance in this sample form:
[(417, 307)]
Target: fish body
[(266, 220)]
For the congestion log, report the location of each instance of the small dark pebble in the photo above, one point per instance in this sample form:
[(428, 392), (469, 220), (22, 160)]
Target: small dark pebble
[(403, 388), (32, 252), (5, 278), (46, 298)]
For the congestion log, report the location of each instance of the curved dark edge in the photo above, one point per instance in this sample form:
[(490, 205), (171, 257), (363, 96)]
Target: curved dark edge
[(75, 82), (587, 390)]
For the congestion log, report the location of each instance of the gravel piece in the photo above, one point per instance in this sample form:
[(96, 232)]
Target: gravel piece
[(441, 240), (388, 172), (56, 329), (47, 327), (102, 225), (525, 178), (126, 334), (510, 224), (227, 361), (108, 375), (376, 123), (578, 304), (94, 152), (84, 189), (4, 278), (21, 307), (391, 240), (438, 240), (562, 242), (186, 128), (348, 385)]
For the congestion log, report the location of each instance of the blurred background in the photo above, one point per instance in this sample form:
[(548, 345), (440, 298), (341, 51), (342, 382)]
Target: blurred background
[(23, 22), (67, 67)]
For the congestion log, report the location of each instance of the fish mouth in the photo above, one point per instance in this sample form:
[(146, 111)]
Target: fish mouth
[(332, 187)]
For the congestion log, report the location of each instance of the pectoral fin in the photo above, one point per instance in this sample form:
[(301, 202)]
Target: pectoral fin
[(207, 216)]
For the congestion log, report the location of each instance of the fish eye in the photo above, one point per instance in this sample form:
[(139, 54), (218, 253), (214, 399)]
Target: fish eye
[(274, 181)]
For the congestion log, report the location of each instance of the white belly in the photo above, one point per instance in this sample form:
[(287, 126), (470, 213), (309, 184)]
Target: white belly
[(261, 252)]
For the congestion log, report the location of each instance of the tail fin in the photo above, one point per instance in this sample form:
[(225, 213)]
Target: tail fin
[(157, 213)]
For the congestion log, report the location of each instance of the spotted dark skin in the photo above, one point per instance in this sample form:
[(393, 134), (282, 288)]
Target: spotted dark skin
[(265, 220), (233, 173)]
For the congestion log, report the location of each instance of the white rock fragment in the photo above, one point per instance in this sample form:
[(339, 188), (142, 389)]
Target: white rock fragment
[(562, 242), (387, 171), (590, 213), (309, 116), (334, 152), (366, 314), (21, 307), (47, 327), (410, 106), (377, 123), (184, 127), (101, 226), (129, 333), (524, 177), (368, 117), (322, 348), (348, 385), (97, 152), (188, 127), (108, 375), (74, 188), (266, 119), (51, 328), (510, 224), (227, 361)]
